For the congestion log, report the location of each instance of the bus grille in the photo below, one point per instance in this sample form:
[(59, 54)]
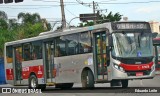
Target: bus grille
[(133, 73)]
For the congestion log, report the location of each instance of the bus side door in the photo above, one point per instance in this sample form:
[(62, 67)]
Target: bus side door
[(100, 55), (49, 61), (18, 65)]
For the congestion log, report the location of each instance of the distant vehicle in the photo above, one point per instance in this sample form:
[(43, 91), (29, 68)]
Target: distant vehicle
[(156, 44), (113, 52)]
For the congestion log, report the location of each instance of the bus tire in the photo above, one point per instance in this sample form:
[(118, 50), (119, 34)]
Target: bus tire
[(64, 85), (87, 79), (115, 83), (124, 83), (33, 82)]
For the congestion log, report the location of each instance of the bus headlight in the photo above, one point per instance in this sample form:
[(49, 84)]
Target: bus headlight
[(153, 67), (118, 67)]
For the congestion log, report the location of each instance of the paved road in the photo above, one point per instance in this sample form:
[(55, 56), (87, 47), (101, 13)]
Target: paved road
[(101, 90)]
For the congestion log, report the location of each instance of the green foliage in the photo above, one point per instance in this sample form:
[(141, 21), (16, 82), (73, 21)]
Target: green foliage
[(31, 26), (3, 24), (6, 36), (102, 18), (29, 18), (3, 15)]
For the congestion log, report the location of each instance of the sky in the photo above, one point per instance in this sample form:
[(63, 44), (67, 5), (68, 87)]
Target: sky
[(143, 10)]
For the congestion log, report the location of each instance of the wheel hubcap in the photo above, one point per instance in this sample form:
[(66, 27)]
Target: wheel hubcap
[(33, 83), (87, 79)]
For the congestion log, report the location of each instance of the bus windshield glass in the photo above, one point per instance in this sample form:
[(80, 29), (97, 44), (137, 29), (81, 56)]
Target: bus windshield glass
[(132, 44)]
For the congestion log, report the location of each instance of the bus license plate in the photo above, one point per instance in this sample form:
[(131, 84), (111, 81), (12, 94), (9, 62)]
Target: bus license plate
[(139, 73)]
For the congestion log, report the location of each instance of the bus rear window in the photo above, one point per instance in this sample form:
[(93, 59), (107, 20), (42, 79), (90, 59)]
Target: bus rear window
[(9, 54)]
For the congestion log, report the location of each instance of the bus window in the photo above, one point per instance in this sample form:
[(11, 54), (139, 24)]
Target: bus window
[(19, 55), (9, 54), (60, 47), (85, 43), (37, 50), (27, 51), (72, 42)]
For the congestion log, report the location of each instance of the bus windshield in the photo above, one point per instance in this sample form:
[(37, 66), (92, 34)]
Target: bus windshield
[(132, 44)]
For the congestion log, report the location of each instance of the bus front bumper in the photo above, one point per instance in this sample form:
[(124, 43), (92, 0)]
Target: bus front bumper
[(119, 75)]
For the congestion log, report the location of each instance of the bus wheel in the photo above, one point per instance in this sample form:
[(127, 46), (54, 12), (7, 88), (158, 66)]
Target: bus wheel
[(115, 83), (124, 83), (87, 79), (64, 85), (33, 82)]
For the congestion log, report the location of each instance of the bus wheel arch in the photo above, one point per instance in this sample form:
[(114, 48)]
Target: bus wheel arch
[(87, 78)]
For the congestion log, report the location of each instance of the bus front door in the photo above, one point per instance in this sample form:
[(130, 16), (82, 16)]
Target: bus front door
[(18, 65), (49, 62), (100, 64)]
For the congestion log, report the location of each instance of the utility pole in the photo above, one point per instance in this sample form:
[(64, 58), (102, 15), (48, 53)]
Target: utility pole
[(63, 14), (94, 12)]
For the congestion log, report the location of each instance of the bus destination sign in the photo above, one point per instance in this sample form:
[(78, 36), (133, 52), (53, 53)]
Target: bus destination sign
[(130, 25)]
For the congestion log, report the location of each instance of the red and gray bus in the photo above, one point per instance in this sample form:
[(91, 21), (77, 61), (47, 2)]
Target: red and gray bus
[(113, 52)]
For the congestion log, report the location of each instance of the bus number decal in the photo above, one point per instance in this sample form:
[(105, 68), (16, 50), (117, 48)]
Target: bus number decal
[(90, 61), (26, 69)]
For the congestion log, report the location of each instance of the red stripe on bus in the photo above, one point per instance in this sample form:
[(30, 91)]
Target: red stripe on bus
[(9, 74), (38, 70), (136, 67)]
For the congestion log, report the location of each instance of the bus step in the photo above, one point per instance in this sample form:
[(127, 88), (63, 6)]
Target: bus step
[(50, 84)]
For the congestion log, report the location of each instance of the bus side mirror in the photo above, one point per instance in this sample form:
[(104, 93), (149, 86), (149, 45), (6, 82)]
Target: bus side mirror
[(154, 34)]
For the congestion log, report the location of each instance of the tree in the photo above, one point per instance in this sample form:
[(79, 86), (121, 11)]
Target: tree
[(6, 36), (29, 18), (46, 25), (3, 24), (31, 26), (102, 18), (3, 20), (12, 24), (3, 15)]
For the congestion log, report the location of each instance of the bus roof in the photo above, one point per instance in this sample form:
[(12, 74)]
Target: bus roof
[(50, 34)]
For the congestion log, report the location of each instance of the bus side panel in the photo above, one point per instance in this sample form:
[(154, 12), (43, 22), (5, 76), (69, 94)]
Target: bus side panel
[(69, 68), (9, 73), (32, 66)]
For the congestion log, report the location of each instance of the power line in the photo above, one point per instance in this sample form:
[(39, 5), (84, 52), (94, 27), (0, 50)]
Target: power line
[(53, 1), (28, 5), (70, 12), (25, 8), (108, 1), (130, 2), (85, 4)]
